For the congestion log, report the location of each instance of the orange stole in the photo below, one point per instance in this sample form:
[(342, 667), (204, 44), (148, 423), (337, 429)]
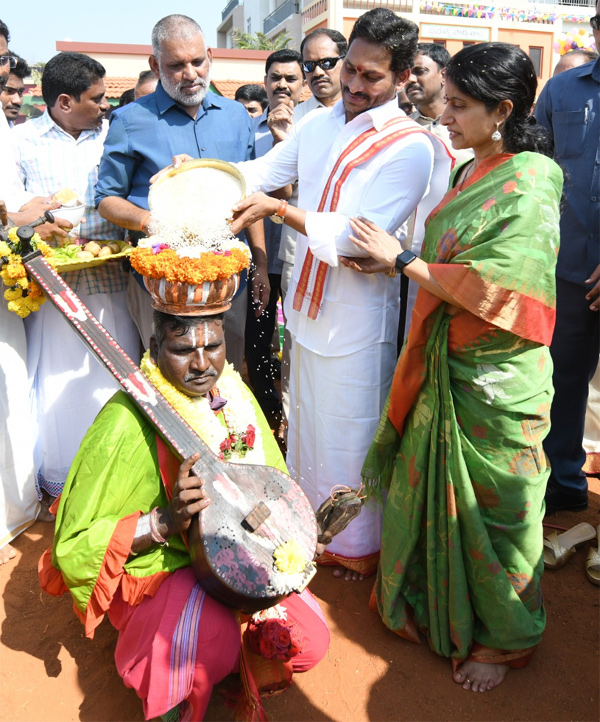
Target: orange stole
[(302, 290)]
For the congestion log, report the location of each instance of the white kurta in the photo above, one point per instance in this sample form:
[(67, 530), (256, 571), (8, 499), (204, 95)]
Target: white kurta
[(336, 404), (69, 385)]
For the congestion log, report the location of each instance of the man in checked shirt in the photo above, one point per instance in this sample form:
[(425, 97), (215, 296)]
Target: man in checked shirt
[(62, 149)]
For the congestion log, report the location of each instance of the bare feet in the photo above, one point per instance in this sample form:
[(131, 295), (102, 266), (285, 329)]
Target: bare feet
[(348, 574), (480, 677), (46, 502), (7, 554)]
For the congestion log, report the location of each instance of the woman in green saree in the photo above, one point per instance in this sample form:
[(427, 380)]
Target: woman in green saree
[(459, 448)]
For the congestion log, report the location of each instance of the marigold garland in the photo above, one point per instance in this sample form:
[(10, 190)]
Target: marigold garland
[(23, 294), (208, 267)]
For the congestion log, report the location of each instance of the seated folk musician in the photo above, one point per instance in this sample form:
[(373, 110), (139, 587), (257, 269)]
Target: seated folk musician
[(119, 547)]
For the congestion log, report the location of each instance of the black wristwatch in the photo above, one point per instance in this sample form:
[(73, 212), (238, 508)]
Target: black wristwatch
[(403, 259)]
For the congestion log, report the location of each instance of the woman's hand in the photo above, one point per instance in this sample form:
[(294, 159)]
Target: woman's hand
[(188, 499), (379, 244), (253, 208), (177, 161)]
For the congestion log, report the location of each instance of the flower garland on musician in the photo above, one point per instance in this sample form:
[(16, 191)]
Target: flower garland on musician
[(23, 294), (234, 426)]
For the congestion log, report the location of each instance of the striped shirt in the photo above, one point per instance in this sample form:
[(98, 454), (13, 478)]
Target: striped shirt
[(48, 159)]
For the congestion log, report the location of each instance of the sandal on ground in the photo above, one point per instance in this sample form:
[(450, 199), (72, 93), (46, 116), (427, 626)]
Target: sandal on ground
[(558, 548), (336, 512), (592, 563)]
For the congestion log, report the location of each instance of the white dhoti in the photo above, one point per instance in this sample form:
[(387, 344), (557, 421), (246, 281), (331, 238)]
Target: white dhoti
[(335, 407), (70, 385), (18, 497), (591, 437)]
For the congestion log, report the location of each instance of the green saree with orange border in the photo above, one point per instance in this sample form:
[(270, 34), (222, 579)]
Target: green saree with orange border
[(459, 448)]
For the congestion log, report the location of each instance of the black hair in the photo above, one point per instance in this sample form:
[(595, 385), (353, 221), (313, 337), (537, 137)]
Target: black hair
[(127, 96), (284, 56), (250, 91), (145, 76), (398, 35), (4, 31), (70, 73), (335, 35), (493, 72), (436, 52), (179, 324), (21, 69)]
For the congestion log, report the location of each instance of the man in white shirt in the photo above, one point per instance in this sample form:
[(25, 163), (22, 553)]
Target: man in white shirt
[(361, 157), (62, 149), (322, 53), (425, 90)]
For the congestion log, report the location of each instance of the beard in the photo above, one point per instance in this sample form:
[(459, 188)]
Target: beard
[(175, 90)]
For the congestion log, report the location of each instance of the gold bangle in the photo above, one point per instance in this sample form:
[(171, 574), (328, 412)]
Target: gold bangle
[(391, 272)]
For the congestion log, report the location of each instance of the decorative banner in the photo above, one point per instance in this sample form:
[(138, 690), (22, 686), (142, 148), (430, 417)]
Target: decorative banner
[(566, 42), (455, 32), (503, 13)]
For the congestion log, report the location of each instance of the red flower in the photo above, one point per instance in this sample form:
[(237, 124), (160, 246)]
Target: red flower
[(509, 186), (270, 629), (488, 204), (250, 436), (283, 638), (268, 648)]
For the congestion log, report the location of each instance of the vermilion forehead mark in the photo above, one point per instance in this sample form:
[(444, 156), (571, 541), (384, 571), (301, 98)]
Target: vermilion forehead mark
[(359, 68)]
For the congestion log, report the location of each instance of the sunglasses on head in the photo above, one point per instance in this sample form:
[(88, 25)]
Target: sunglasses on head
[(595, 22), (12, 61), (325, 64)]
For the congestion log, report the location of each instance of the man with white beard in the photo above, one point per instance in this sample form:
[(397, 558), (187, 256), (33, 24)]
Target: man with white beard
[(181, 116)]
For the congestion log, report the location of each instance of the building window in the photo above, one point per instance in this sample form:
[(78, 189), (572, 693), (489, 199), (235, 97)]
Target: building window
[(440, 42), (468, 42), (536, 58)]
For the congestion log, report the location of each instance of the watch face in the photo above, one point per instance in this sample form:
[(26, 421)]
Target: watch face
[(404, 258)]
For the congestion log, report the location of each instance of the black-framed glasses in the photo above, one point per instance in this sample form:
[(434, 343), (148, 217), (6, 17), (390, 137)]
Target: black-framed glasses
[(325, 64), (595, 22), (10, 59)]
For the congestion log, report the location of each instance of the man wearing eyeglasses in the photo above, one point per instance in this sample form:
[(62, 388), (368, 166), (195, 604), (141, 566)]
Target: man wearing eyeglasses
[(569, 107), (11, 95)]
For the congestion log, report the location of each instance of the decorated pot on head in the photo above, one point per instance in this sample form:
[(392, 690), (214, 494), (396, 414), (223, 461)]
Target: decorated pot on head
[(191, 262)]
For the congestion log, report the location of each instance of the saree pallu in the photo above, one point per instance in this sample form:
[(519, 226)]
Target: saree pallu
[(459, 447)]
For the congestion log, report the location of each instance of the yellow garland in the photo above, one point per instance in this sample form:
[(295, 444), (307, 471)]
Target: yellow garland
[(213, 428), (23, 295)]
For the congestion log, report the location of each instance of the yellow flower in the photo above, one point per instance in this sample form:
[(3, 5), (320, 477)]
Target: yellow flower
[(289, 557), (11, 294), (18, 308), (4, 249)]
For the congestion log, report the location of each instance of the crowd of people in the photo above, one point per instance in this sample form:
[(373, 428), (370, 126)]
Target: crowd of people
[(430, 227)]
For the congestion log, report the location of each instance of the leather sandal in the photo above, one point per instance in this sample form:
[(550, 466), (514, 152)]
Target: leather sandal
[(559, 548), (592, 563), (335, 513)]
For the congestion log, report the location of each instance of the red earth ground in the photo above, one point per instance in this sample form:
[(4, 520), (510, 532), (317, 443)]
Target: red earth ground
[(50, 672)]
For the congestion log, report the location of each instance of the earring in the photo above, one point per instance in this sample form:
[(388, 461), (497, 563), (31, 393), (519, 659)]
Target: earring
[(496, 134)]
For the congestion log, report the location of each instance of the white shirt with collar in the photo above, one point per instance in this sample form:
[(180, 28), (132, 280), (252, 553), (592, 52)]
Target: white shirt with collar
[(433, 125), (358, 310)]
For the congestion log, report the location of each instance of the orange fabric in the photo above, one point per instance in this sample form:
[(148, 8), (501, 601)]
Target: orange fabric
[(51, 580), (365, 565), (524, 316), (514, 658)]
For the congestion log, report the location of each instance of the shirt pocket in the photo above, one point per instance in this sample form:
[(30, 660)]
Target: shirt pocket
[(569, 133)]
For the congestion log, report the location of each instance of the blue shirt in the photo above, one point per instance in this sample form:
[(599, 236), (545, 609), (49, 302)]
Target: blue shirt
[(569, 106), (145, 135), (263, 142)]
